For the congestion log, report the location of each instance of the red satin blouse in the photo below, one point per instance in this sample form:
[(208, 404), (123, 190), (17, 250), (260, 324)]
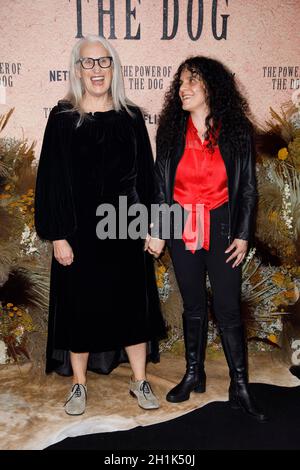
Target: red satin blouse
[(201, 184)]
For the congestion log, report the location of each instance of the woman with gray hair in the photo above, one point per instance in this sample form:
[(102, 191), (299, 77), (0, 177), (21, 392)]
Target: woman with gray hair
[(103, 295)]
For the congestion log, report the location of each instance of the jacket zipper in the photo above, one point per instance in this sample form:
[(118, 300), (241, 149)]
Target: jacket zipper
[(229, 212), (229, 217), (173, 182)]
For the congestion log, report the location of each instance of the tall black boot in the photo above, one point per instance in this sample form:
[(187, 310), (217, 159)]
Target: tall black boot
[(235, 351), (194, 380)]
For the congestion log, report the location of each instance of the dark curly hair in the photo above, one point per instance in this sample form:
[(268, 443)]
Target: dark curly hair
[(227, 106)]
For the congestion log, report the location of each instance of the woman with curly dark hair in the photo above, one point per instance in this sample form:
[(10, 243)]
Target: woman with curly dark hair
[(205, 163)]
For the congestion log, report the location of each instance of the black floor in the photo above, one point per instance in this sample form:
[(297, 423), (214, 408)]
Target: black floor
[(214, 426)]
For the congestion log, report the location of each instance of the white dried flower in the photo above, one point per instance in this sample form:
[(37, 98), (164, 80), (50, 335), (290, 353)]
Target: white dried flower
[(3, 353), (28, 240), (286, 207)]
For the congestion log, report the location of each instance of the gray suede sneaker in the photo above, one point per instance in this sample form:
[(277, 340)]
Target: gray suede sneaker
[(141, 390), (76, 402)]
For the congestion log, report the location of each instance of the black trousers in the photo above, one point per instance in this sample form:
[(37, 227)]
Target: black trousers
[(191, 268)]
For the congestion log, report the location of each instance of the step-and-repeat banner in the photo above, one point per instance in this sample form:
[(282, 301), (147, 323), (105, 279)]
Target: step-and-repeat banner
[(258, 40)]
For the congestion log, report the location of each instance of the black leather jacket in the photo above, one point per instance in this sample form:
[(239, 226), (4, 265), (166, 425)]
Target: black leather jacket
[(240, 168)]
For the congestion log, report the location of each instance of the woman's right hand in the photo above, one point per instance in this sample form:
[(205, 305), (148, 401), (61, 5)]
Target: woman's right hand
[(63, 252), (155, 246)]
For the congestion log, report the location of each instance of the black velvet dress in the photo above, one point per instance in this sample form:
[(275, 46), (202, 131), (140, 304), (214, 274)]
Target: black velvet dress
[(107, 298)]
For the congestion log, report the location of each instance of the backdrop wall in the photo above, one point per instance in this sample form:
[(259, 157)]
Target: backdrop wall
[(258, 40)]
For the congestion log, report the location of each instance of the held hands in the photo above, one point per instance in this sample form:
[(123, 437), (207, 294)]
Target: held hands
[(240, 250), (63, 252), (154, 246)]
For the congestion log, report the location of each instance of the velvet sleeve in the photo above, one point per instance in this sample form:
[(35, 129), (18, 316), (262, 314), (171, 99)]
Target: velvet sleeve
[(54, 210), (145, 162)]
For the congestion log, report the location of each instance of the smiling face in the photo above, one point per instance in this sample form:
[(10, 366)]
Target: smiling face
[(192, 91), (96, 81)]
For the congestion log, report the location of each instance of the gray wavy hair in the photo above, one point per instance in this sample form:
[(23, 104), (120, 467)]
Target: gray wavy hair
[(76, 90)]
